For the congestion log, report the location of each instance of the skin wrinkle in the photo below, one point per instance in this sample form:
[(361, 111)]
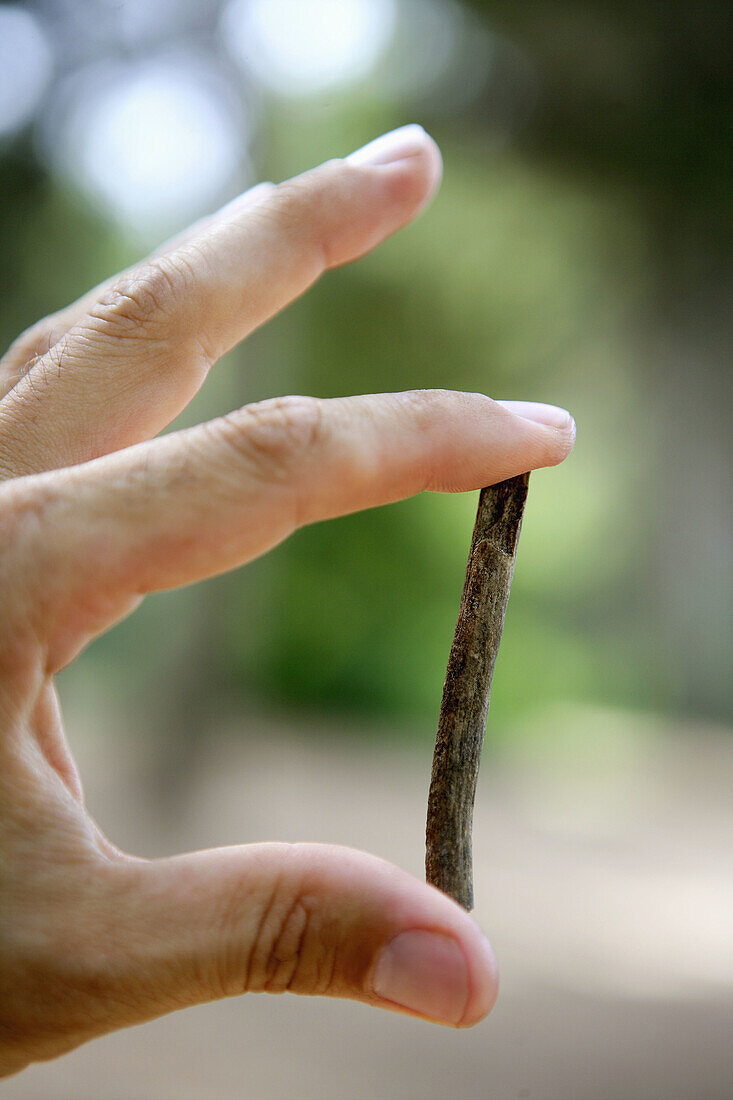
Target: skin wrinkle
[(298, 954), (327, 966), (282, 957), (263, 925), (143, 300), (278, 435)]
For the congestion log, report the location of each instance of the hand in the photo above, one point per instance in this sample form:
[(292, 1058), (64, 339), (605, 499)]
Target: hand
[(93, 516)]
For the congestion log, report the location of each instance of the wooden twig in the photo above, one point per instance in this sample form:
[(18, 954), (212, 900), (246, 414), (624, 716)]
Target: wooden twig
[(468, 685)]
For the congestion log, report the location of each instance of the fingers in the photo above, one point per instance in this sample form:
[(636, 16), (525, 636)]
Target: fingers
[(36, 341), (31, 346), (201, 501), (305, 918), (127, 369)]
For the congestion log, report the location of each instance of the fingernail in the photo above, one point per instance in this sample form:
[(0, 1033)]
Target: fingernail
[(551, 415), (396, 145), (425, 972)]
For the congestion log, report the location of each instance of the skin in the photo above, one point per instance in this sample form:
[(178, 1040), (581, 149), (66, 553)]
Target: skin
[(95, 513)]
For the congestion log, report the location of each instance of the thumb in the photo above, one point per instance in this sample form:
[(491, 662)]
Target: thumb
[(303, 918)]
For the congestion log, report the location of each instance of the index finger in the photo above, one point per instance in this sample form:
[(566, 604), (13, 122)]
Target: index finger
[(204, 500)]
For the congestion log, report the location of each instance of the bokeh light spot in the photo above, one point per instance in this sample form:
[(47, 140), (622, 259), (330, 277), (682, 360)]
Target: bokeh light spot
[(156, 144), (302, 47), (26, 62)]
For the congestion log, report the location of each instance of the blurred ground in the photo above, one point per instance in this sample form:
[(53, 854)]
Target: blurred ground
[(603, 874)]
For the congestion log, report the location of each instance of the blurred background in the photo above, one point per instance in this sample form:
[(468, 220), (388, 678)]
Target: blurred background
[(578, 253)]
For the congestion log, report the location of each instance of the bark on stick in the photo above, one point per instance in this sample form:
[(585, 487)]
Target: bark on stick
[(467, 688)]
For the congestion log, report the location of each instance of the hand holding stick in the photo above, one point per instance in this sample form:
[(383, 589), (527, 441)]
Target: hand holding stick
[(467, 688)]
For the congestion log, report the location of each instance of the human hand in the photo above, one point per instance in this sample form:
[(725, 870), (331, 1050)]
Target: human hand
[(94, 515)]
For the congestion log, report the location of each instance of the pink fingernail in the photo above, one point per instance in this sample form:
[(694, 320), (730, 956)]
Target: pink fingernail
[(425, 972), (551, 415), (407, 141)]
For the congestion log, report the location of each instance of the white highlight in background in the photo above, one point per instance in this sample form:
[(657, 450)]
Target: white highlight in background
[(26, 63), (155, 144), (303, 47)]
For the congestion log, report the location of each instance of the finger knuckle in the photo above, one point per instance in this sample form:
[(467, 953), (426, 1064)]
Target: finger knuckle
[(291, 950), (275, 436), (298, 199), (422, 407), (299, 208), (287, 202), (143, 300)]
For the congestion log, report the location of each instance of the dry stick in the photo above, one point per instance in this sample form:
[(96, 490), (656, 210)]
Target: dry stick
[(468, 686)]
